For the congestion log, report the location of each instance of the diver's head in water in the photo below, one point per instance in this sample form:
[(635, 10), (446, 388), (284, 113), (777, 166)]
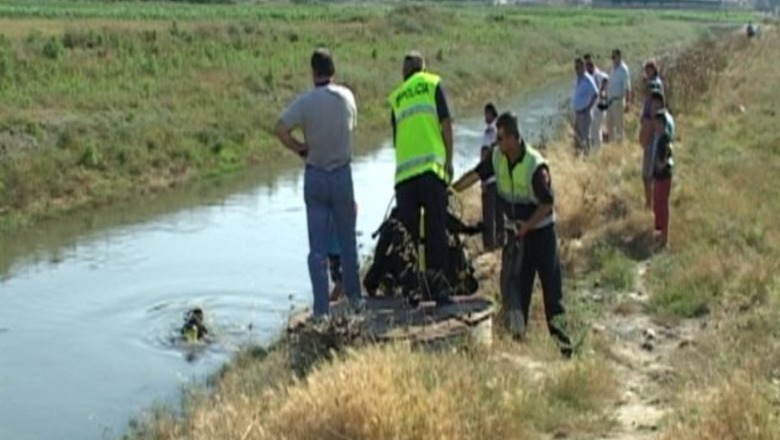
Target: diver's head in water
[(194, 328)]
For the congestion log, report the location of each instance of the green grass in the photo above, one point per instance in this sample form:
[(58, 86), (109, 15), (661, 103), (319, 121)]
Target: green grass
[(724, 257), (124, 99), (143, 10), (723, 261), (613, 270), (725, 236), (275, 11), (689, 297)]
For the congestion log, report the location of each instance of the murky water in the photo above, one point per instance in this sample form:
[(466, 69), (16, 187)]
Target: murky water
[(88, 306)]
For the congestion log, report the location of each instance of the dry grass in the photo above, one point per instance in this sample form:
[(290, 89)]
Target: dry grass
[(395, 393), (726, 259), (723, 204), (724, 255), (724, 231), (740, 409), (723, 262)]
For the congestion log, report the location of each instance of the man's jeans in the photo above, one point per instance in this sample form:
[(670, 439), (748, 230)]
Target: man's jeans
[(330, 193)]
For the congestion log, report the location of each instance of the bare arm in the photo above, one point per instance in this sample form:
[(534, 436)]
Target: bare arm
[(288, 140), (445, 122), (446, 133), (465, 181)]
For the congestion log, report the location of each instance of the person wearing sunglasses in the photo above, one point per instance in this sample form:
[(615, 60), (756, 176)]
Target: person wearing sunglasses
[(525, 188)]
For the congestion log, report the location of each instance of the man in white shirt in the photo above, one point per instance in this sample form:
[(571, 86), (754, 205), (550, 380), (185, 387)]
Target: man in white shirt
[(618, 96), (489, 136), (600, 78), (492, 215)]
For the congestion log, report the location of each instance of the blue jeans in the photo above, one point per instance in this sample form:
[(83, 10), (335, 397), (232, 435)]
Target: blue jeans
[(330, 195)]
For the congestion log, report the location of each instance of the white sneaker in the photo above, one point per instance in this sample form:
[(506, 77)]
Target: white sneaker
[(320, 322)]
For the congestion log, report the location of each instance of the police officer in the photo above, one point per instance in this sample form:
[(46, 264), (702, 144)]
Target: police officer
[(422, 136), (524, 186)]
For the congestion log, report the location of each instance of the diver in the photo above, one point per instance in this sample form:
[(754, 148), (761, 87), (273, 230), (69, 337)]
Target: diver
[(194, 328)]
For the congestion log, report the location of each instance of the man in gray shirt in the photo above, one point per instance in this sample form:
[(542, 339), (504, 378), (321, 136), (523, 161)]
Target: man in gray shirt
[(327, 115)]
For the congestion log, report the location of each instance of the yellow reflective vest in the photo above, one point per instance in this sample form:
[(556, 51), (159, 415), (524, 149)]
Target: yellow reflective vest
[(515, 185), (419, 145)]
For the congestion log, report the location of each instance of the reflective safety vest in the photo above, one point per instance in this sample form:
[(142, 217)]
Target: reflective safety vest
[(515, 186), (419, 146)]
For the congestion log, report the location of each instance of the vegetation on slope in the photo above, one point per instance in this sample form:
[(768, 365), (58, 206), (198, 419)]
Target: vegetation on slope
[(100, 102), (722, 384)]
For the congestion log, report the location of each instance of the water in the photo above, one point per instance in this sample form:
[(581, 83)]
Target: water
[(89, 306)]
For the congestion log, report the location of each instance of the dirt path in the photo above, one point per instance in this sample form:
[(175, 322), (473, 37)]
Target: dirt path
[(640, 353)]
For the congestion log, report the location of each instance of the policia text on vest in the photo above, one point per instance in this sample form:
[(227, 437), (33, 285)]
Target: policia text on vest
[(421, 119), (419, 144)]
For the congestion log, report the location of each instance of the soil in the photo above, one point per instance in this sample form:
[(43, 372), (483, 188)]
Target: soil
[(640, 353), (642, 350)]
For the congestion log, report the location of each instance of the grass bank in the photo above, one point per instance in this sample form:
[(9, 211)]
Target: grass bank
[(391, 392), (727, 255), (721, 270), (104, 101)]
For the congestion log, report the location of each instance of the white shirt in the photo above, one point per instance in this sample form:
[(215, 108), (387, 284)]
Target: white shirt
[(599, 76), (489, 138), (619, 81)]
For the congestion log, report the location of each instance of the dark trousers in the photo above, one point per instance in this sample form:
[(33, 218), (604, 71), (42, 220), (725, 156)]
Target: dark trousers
[(429, 192), (492, 218), (539, 251), (334, 266)]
